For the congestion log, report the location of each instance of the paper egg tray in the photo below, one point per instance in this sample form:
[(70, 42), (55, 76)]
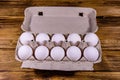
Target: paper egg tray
[(65, 45), (64, 20)]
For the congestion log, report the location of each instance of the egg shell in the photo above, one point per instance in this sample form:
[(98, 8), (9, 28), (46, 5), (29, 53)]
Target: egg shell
[(24, 52), (57, 53), (74, 38), (58, 38), (91, 53), (91, 38), (74, 53), (41, 52), (41, 37), (26, 37)]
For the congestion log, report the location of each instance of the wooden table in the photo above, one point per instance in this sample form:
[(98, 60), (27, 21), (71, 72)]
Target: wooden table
[(108, 19)]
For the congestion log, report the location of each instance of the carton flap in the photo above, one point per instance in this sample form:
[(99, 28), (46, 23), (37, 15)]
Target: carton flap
[(60, 20)]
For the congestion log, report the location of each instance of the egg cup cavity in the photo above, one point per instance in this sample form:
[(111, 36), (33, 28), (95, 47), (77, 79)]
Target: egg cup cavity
[(95, 61), (18, 57), (42, 38), (44, 57), (26, 37), (91, 39), (53, 50), (68, 56), (31, 44)]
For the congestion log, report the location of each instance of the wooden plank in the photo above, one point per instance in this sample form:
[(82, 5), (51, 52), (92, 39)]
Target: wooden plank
[(54, 75), (11, 20), (103, 7), (103, 21), (110, 61)]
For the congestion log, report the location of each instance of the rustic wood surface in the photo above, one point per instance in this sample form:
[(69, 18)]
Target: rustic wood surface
[(108, 18)]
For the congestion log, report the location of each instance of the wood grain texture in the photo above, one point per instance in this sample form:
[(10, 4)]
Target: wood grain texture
[(103, 7), (108, 19)]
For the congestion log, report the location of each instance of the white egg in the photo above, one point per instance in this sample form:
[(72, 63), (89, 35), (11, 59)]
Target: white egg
[(74, 38), (74, 53), (91, 38), (26, 37), (58, 38), (91, 53), (24, 52), (41, 53), (41, 37), (57, 53)]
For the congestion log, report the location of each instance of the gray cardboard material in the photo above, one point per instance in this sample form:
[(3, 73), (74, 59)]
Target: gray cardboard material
[(63, 20), (60, 19), (59, 24)]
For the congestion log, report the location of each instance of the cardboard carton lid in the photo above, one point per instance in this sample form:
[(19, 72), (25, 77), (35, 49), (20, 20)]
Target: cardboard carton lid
[(60, 20)]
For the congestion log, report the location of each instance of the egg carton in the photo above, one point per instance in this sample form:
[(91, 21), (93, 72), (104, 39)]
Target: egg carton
[(64, 20)]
